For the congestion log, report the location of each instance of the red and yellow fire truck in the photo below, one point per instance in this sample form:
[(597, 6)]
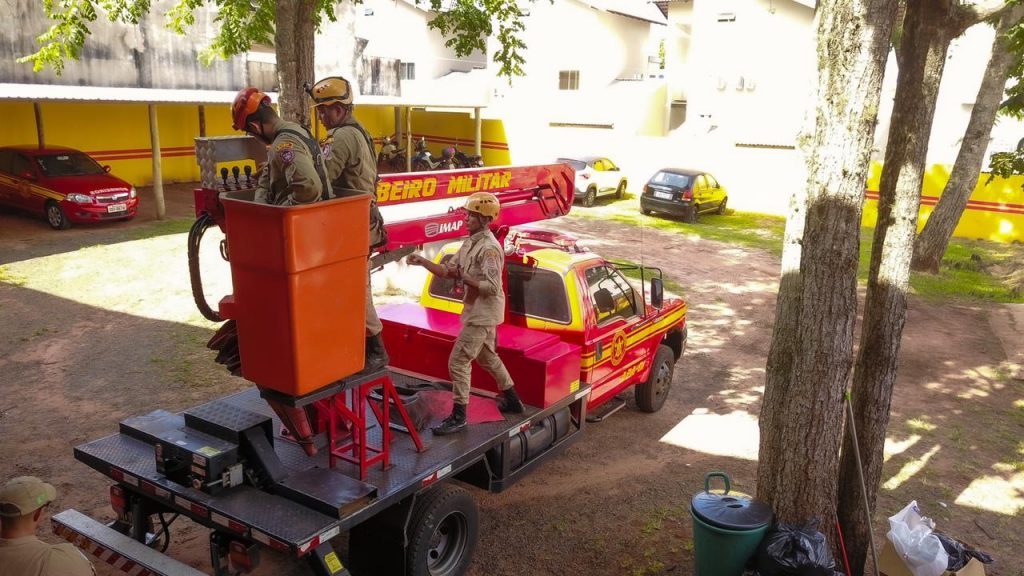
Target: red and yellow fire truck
[(308, 453)]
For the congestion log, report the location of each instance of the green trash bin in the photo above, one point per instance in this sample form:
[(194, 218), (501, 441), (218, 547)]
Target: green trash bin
[(727, 528)]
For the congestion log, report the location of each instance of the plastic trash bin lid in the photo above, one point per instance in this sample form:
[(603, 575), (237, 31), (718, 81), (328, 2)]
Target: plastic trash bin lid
[(730, 510)]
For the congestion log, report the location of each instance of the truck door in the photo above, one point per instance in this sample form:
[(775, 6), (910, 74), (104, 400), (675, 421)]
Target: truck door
[(615, 352)]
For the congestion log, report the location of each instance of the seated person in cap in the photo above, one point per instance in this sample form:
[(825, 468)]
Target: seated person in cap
[(23, 502)]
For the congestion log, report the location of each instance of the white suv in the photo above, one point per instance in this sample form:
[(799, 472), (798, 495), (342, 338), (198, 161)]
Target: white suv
[(596, 175)]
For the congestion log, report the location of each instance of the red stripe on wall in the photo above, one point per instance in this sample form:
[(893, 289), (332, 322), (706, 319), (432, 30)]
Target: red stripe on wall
[(977, 205), (137, 150), (490, 144)]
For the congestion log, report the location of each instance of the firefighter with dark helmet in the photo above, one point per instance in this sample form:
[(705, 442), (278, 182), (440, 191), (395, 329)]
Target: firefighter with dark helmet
[(294, 172), (351, 165), (478, 264)]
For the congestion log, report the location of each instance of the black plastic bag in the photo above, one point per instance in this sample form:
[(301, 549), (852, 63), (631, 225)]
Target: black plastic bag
[(959, 553), (791, 550)]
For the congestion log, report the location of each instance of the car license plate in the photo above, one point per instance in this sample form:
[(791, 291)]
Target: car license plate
[(122, 207), (663, 195)]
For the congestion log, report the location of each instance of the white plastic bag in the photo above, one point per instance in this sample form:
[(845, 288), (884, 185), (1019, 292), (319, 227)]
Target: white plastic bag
[(911, 535)]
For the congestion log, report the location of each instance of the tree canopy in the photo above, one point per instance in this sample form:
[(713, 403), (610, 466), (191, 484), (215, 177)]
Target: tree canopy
[(467, 24)]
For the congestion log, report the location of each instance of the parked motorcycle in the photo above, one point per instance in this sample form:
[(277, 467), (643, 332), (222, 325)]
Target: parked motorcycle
[(423, 161), (391, 158)]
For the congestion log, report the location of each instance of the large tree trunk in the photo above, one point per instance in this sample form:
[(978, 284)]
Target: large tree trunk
[(810, 355), (293, 44), (923, 49), (934, 238)]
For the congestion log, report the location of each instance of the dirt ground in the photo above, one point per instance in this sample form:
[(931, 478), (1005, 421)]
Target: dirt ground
[(75, 362)]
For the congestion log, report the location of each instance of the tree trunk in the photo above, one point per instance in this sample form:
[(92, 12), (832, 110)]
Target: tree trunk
[(926, 38), (810, 355), (293, 44), (934, 238)]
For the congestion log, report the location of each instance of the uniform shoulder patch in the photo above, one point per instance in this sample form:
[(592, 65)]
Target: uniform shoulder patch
[(285, 152)]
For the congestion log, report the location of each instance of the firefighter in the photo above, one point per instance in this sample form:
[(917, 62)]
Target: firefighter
[(478, 264), (294, 170), (352, 170), (23, 503)]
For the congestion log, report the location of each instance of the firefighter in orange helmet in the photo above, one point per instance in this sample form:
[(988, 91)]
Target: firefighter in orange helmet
[(478, 264), (294, 172)]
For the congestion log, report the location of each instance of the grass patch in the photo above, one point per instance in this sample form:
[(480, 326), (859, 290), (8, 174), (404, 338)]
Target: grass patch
[(972, 270), (920, 425), (160, 228), (750, 229), (12, 278)]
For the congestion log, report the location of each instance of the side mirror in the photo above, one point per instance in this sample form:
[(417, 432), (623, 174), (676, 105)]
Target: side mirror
[(27, 175), (106, 168), (657, 292)]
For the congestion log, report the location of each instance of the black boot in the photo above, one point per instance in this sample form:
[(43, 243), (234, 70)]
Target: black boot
[(454, 423), (511, 402), (376, 355)]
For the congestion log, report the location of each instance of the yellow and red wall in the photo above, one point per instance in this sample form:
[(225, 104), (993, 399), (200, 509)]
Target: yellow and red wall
[(994, 212), (118, 133)]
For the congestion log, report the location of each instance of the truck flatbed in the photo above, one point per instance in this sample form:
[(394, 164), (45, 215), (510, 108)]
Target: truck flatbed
[(303, 520)]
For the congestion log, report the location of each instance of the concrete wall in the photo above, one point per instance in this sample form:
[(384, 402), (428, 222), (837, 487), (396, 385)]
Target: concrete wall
[(749, 68), (396, 29), (144, 56)]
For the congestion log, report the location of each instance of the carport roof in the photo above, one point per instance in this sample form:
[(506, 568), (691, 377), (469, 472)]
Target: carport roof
[(66, 93)]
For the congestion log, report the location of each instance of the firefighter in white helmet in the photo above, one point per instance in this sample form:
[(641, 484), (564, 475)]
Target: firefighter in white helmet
[(478, 264)]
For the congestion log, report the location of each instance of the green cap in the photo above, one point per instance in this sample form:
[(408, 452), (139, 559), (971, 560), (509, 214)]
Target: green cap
[(24, 495)]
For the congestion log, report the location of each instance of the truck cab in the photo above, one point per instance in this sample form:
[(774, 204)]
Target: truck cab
[(626, 333)]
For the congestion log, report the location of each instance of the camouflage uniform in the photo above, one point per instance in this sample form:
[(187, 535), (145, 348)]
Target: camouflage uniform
[(290, 176), (352, 169), (479, 257)]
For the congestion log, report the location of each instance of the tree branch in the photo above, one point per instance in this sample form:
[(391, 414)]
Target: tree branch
[(967, 15)]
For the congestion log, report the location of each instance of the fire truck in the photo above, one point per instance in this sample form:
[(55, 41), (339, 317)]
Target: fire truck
[(318, 448)]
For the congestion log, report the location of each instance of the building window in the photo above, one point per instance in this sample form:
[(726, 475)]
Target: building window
[(569, 80), (407, 70)]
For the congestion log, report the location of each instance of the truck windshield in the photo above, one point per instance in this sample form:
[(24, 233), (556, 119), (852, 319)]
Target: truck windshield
[(69, 164)]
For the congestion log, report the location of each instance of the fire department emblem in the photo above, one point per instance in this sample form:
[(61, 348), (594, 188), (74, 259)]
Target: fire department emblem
[(618, 349)]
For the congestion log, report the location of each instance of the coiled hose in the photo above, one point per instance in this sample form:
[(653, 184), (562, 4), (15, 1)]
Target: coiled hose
[(195, 238)]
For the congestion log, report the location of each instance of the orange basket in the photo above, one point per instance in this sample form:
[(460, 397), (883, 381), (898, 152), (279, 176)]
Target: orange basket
[(299, 275)]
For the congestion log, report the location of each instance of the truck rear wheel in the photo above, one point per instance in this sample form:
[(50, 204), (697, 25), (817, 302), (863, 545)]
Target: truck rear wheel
[(651, 394), (443, 533)]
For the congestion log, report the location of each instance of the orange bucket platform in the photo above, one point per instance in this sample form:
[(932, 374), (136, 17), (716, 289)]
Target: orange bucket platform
[(299, 276)]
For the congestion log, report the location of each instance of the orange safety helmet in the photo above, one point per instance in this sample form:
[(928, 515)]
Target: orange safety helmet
[(483, 203), (247, 102), (332, 90)]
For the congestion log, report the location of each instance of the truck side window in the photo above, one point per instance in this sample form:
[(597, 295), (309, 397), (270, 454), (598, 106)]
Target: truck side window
[(531, 292), (610, 295), (444, 287), (537, 293)]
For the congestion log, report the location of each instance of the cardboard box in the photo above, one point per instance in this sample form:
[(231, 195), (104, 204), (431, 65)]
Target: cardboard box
[(890, 564)]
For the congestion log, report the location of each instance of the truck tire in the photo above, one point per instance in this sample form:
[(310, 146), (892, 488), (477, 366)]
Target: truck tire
[(443, 532), (651, 394)]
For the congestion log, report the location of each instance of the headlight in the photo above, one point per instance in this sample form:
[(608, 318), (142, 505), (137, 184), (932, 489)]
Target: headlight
[(80, 198), (132, 193)]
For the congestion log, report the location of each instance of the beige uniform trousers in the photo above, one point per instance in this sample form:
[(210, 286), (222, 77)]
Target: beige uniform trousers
[(475, 343)]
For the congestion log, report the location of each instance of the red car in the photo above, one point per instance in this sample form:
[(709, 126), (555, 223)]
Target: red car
[(63, 184)]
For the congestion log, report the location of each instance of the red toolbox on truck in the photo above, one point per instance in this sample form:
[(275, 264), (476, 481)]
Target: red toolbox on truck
[(545, 369)]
